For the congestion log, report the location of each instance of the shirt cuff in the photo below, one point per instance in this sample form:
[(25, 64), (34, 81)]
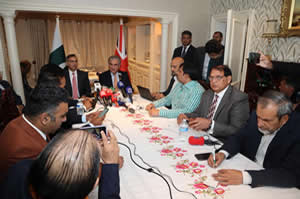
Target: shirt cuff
[(83, 118), (225, 153), (247, 179), (210, 131)]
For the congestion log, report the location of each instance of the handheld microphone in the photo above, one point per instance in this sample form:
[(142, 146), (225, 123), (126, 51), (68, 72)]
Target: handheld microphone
[(129, 92), (109, 94), (121, 86), (103, 97), (196, 140), (97, 86)]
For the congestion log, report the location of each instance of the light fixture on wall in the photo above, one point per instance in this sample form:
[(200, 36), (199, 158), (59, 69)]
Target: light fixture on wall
[(271, 30)]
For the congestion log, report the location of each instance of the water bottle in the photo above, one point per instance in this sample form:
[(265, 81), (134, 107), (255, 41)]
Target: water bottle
[(183, 130), (80, 109)]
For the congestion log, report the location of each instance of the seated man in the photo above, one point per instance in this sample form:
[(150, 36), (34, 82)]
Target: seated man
[(184, 98), (176, 62), (67, 168), (27, 135), (111, 77), (54, 75), (223, 109), (77, 81), (271, 138)]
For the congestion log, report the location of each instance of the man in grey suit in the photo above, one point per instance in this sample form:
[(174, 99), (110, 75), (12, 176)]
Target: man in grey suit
[(223, 109)]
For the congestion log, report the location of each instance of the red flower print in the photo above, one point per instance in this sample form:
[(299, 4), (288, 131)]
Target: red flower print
[(197, 171), (200, 186), (194, 164), (219, 191), (166, 151), (177, 149), (179, 154), (182, 166)]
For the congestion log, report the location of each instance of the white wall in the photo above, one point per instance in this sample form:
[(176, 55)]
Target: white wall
[(283, 49), (192, 14)]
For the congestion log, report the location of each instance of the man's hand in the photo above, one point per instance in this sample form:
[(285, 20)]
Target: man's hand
[(199, 123), (181, 117), (219, 159), (94, 118), (229, 177), (109, 150), (154, 112), (87, 102), (265, 62), (157, 95), (149, 107)]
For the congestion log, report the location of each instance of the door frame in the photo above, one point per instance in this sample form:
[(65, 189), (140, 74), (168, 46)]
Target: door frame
[(223, 18)]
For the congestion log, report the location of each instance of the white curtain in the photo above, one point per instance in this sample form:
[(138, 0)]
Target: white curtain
[(92, 41)]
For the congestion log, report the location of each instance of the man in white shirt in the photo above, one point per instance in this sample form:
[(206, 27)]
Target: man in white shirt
[(223, 109), (272, 139), (77, 81), (27, 135)]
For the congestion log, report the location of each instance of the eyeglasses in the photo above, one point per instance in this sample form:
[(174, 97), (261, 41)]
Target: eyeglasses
[(73, 61), (218, 78)]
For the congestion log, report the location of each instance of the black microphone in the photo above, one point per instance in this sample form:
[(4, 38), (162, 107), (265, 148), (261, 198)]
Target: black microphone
[(129, 92), (121, 86)]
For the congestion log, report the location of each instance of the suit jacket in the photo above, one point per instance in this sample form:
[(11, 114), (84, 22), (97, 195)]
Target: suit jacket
[(16, 185), (231, 114), (189, 56), (166, 92), (84, 87), (18, 141), (105, 79), (199, 60), (287, 69), (281, 162)]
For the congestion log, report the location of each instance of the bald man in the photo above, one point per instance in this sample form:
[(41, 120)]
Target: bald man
[(175, 63), (67, 168)]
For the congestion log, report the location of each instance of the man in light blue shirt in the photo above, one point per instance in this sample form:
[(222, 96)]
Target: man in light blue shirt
[(185, 97)]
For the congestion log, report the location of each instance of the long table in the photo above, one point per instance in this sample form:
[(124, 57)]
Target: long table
[(158, 143)]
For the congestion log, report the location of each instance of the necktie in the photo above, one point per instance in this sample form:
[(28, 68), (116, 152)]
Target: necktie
[(212, 107), (183, 52), (74, 87), (115, 82)]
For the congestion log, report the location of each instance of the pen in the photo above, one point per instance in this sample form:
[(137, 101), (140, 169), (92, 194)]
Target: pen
[(214, 158)]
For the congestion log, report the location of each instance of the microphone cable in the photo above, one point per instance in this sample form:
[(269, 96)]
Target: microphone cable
[(149, 169), (153, 167)]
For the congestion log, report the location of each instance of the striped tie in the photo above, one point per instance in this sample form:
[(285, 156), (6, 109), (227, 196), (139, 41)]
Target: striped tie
[(212, 107)]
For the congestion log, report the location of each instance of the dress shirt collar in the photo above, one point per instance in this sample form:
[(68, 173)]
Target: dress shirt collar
[(186, 48), (189, 85), (222, 93), (35, 128), (71, 73)]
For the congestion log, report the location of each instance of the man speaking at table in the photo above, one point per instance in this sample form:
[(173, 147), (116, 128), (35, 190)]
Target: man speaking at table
[(184, 98), (272, 139), (223, 109)]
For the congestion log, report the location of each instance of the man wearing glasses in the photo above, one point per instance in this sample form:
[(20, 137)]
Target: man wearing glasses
[(77, 81), (223, 109)]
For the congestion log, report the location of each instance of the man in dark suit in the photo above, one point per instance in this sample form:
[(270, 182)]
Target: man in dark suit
[(272, 139), (207, 57), (175, 64), (185, 51), (27, 135), (77, 81), (113, 76), (223, 109)]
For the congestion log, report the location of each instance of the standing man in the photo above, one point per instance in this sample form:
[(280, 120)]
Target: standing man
[(218, 36), (111, 77), (186, 51), (77, 81), (223, 109), (27, 135), (207, 57), (271, 138)]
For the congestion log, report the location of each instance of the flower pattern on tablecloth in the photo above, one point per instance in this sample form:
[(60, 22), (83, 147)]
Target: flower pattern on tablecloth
[(195, 170), (174, 152)]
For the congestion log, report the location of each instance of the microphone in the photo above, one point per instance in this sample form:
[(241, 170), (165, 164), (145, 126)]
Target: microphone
[(109, 94), (196, 140), (121, 86), (193, 140), (97, 86), (129, 92), (103, 97)]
